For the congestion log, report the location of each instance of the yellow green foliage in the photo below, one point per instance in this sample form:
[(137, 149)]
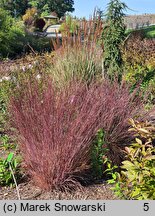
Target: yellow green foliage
[(30, 16), (139, 64), (137, 177), (69, 26), (139, 58)]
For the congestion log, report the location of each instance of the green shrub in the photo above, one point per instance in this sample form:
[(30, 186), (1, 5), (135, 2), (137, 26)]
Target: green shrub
[(137, 177), (144, 76), (139, 63), (14, 41), (36, 45), (11, 35)]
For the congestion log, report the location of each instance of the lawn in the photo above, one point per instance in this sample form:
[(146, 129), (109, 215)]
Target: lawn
[(149, 32)]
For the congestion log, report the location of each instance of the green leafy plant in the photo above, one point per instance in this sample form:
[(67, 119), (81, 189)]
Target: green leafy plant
[(6, 142), (110, 171), (9, 169), (137, 177), (112, 175), (3, 98), (4, 89), (98, 151)]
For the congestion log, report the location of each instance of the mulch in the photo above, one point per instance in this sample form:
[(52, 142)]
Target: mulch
[(28, 191)]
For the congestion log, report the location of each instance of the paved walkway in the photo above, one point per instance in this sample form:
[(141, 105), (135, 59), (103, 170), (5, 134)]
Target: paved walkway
[(53, 31)]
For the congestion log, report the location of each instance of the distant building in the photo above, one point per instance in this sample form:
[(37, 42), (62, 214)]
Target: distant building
[(51, 17), (139, 21)]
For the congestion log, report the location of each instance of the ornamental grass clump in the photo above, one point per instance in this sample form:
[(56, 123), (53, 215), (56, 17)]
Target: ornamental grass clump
[(56, 127), (78, 55), (119, 106)]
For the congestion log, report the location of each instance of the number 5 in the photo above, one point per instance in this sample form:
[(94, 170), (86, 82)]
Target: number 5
[(146, 207)]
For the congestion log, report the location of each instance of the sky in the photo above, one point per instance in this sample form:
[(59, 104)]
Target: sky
[(85, 8)]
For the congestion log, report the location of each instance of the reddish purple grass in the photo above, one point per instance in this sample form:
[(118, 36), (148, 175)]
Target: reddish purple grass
[(56, 128)]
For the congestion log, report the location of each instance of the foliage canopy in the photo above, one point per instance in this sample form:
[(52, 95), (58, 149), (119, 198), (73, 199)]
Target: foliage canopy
[(18, 7)]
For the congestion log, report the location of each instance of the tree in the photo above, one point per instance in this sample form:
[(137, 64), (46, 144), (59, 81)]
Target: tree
[(58, 6), (62, 6), (16, 7), (99, 13), (41, 5), (113, 35)]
